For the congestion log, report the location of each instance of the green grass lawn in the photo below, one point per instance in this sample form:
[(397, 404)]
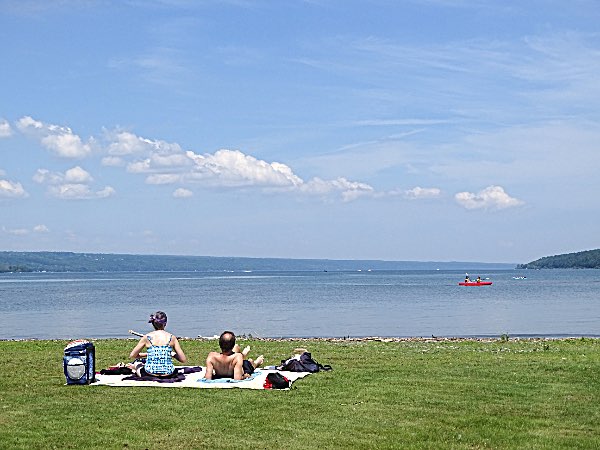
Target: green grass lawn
[(407, 394)]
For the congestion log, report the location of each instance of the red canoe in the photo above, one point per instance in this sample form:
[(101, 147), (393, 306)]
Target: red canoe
[(475, 283)]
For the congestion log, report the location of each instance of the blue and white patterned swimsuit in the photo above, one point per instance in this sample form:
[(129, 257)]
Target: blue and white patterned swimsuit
[(158, 361)]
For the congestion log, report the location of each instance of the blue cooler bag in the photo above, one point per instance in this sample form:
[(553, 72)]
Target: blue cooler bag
[(80, 362)]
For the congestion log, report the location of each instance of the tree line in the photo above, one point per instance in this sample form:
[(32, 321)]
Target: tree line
[(588, 259)]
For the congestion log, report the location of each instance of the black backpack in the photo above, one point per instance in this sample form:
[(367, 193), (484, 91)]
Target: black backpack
[(275, 380), (303, 363)]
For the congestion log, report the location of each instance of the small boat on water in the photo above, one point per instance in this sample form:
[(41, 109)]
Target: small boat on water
[(475, 283)]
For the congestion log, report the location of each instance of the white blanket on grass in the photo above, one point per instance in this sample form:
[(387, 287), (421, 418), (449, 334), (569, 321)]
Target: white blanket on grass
[(197, 380)]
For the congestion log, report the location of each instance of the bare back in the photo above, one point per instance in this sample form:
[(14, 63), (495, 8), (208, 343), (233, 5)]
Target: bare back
[(224, 366), (160, 337)]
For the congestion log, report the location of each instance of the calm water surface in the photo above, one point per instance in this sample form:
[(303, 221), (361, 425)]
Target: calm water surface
[(275, 304)]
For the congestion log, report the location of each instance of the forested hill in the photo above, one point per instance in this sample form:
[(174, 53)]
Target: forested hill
[(100, 262), (589, 259)]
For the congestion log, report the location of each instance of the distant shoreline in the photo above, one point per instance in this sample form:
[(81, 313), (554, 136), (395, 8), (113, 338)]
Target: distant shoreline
[(59, 262)]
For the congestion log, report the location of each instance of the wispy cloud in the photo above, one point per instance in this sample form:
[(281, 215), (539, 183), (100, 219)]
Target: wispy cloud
[(241, 56), (528, 154), (25, 231), (369, 158), (16, 231), (525, 78), (37, 8), (399, 122), (464, 4), (162, 65)]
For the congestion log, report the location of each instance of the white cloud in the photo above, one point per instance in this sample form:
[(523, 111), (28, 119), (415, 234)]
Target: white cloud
[(112, 161), (41, 229), (233, 168), (492, 197), (167, 163), (12, 189), (158, 162), (70, 191), (27, 123), (73, 175), (139, 166), (45, 176), (173, 160), (419, 192), (60, 140), (66, 145), (123, 143), (5, 129), (106, 192), (78, 175), (164, 178), (182, 193), (72, 185), (349, 190)]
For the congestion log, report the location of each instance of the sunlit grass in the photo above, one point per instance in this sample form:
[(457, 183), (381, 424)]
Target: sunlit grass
[(408, 394)]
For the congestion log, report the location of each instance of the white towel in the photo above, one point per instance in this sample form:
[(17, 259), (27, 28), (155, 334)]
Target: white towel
[(197, 380)]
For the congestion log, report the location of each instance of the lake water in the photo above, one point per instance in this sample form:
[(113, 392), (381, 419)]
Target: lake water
[(301, 304)]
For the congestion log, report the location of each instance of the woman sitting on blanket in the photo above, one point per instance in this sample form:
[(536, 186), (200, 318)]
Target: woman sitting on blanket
[(159, 346)]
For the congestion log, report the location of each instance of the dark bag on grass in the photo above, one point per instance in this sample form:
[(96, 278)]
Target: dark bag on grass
[(116, 371), (302, 363), (276, 381)]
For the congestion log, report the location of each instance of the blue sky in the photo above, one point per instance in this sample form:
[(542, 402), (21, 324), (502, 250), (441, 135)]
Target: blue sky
[(400, 130)]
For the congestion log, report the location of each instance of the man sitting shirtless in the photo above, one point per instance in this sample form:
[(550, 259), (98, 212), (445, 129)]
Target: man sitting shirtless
[(231, 362)]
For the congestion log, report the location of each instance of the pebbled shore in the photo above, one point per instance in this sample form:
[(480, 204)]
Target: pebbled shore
[(342, 339), (408, 339)]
